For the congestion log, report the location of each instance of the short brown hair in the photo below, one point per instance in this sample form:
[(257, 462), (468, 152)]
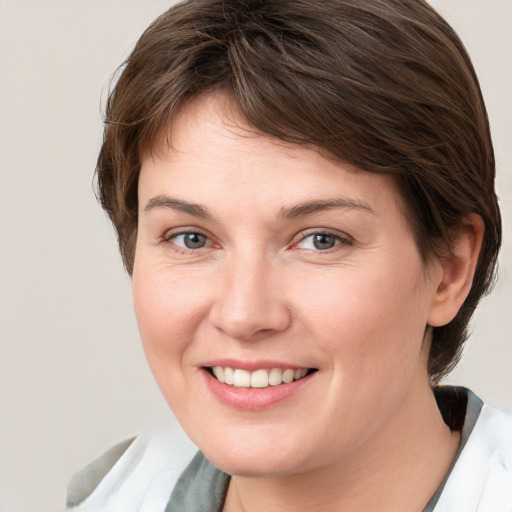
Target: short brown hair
[(385, 85)]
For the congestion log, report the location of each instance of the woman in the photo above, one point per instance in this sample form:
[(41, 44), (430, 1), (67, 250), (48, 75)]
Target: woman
[(304, 196)]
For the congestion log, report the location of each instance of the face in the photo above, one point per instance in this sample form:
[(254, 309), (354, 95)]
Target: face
[(292, 278)]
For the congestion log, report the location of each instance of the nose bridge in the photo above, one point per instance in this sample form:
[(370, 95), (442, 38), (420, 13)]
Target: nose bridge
[(249, 303)]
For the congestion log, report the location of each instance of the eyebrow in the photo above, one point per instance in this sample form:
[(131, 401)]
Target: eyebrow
[(311, 207), (299, 210), (163, 201)]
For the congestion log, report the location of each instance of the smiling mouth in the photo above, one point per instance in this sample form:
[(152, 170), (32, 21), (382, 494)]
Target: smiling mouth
[(262, 378)]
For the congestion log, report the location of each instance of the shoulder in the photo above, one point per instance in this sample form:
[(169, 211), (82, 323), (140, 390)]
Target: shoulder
[(85, 481), (482, 477), (137, 474)]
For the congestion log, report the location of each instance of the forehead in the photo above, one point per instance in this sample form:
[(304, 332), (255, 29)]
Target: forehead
[(210, 148)]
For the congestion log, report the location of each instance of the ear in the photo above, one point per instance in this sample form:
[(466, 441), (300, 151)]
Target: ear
[(457, 271)]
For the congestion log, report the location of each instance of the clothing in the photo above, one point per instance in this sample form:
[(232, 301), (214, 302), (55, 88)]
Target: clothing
[(152, 472)]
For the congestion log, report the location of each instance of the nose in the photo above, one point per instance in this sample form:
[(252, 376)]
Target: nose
[(250, 304)]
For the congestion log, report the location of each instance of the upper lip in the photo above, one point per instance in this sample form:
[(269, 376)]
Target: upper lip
[(252, 366)]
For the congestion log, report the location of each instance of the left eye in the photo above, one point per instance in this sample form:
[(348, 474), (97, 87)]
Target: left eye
[(319, 241), (189, 240)]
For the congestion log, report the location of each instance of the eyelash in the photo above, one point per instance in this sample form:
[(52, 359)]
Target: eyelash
[(172, 235), (340, 239)]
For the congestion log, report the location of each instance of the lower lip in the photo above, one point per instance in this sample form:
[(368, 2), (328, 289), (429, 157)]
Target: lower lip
[(252, 399)]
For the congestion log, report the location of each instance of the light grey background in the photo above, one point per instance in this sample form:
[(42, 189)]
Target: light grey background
[(73, 379)]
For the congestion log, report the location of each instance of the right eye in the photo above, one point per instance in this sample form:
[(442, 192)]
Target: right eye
[(188, 240)]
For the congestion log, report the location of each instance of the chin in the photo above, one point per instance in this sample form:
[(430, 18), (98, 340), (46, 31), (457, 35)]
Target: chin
[(263, 459), (256, 467)]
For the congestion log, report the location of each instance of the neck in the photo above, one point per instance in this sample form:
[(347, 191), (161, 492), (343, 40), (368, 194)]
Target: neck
[(400, 468)]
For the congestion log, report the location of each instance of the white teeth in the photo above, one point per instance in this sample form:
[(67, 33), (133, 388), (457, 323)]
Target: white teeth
[(218, 371), (288, 376), (257, 379), (275, 377), (228, 375), (241, 379)]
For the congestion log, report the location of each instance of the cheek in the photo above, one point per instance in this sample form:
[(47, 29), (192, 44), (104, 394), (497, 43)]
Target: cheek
[(168, 312), (366, 322)]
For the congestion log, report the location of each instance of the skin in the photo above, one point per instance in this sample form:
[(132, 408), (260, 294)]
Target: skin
[(259, 290)]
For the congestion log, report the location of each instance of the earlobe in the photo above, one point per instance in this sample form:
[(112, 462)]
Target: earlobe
[(458, 270)]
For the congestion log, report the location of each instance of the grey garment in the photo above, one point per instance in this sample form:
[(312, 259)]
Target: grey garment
[(460, 408), (87, 479), (202, 487)]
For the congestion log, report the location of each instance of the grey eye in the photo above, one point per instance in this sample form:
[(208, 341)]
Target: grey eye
[(194, 240), (324, 241), (190, 240), (319, 241)]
